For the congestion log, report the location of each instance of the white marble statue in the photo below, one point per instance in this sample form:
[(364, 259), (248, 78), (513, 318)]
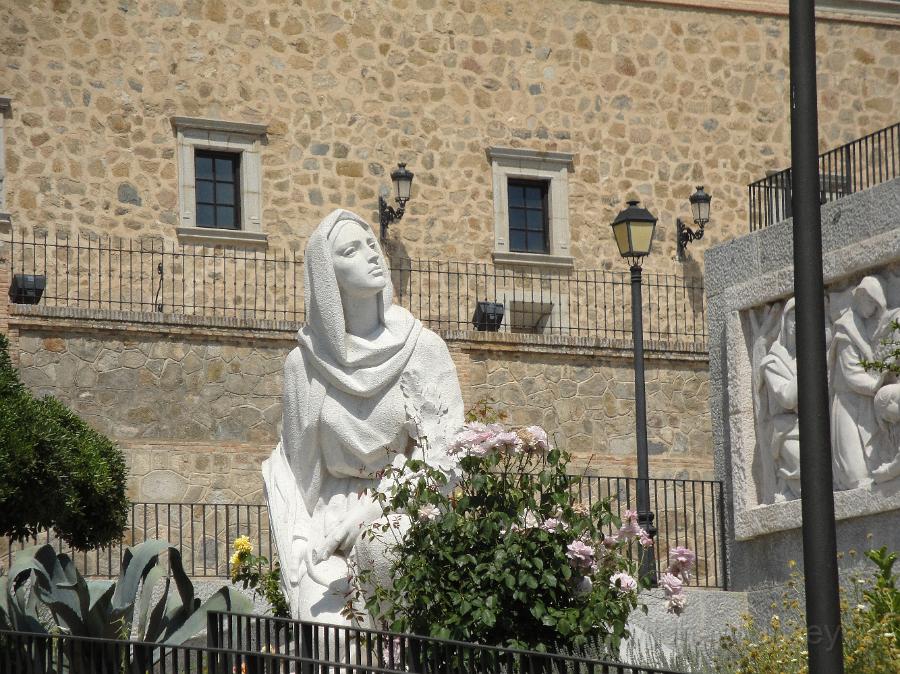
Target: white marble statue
[(865, 405), (365, 384), (779, 371), (853, 389)]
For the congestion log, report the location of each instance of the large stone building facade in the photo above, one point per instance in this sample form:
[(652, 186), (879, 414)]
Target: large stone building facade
[(111, 102), (649, 98)]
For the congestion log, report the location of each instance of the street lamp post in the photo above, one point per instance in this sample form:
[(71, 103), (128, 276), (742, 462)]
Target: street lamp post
[(823, 609), (633, 230)]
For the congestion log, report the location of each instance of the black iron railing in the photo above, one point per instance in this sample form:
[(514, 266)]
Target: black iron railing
[(850, 168), (23, 653), (203, 532), (374, 649), (253, 644), (686, 513), (159, 276)]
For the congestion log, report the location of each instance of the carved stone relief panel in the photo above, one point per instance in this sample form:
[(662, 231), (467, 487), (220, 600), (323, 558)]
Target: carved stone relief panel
[(864, 403)]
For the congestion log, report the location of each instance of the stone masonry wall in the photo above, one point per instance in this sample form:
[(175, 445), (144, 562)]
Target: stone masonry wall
[(198, 408), (651, 98), (585, 398)]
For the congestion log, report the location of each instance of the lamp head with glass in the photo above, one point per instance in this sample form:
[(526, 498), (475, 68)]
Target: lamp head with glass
[(633, 230)]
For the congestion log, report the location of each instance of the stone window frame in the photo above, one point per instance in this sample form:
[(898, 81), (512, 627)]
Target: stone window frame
[(524, 164), (244, 138), (5, 113)]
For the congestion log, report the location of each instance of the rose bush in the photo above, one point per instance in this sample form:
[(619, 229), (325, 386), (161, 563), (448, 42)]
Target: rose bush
[(505, 556)]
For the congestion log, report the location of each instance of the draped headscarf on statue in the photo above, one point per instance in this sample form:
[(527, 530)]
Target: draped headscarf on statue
[(861, 332), (333, 359)]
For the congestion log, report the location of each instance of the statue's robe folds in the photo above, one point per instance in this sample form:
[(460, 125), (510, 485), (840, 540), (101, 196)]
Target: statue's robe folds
[(780, 372)]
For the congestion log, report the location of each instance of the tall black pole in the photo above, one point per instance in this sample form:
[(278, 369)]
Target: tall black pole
[(823, 614), (645, 517)]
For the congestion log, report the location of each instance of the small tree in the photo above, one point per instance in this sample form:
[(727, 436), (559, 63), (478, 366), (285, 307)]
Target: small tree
[(55, 470)]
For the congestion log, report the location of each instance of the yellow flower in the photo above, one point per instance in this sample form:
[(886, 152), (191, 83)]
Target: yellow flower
[(242, 545), (235, 559)]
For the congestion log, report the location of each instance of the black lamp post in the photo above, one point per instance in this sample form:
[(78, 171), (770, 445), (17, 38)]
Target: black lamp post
[(402, 179), (633, 230), (700, 212), (823, 608)]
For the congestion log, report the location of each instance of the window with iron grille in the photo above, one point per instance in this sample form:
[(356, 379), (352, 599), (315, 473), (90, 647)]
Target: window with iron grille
[(217, 183), (528, 216)]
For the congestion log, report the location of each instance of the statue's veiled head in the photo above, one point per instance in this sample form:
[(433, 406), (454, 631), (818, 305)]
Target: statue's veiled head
[(789, 326), (869, 298), (342, 263)]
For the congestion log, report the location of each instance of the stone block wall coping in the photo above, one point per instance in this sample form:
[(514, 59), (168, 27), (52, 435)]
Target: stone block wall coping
[(572, 345), (767, 519), (882, 12), (81, 318), (859, 232)]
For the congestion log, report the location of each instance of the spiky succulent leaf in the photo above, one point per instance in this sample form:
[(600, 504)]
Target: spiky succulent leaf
[(144, 604), (137, 562), (224, 599), (18, 608)]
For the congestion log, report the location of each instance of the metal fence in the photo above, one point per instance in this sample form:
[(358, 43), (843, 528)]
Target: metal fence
[(203, 532), (245, 644), (160, 276), (850, 168), (686, 512), (372, 650), (23, 653)]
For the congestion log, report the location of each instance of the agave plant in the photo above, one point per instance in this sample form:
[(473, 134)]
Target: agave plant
[(110, 609)]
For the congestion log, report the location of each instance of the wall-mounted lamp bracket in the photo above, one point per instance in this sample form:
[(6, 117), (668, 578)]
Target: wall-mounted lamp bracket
[(685, 236), (388, 214)]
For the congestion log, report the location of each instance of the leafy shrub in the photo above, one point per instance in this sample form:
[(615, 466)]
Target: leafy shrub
[(870, 619), (57, 472), (506, 557), (247, 569), (889, 352)]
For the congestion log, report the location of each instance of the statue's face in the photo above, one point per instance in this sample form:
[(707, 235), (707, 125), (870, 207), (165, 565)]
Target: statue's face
[(790, 328), (357, 264), (866, 305)]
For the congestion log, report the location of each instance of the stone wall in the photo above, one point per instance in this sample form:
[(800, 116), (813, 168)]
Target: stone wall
[(584, 394), (197, 407), (651, 98)]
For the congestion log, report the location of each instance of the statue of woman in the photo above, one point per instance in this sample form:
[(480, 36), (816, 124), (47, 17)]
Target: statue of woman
[(853, 390), (779, 370), (363, 383)]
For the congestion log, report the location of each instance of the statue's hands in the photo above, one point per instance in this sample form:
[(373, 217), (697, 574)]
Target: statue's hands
[(326, 548)]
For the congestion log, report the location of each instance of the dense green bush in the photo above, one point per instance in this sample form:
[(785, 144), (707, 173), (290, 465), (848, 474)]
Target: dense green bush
[(56, 471)]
